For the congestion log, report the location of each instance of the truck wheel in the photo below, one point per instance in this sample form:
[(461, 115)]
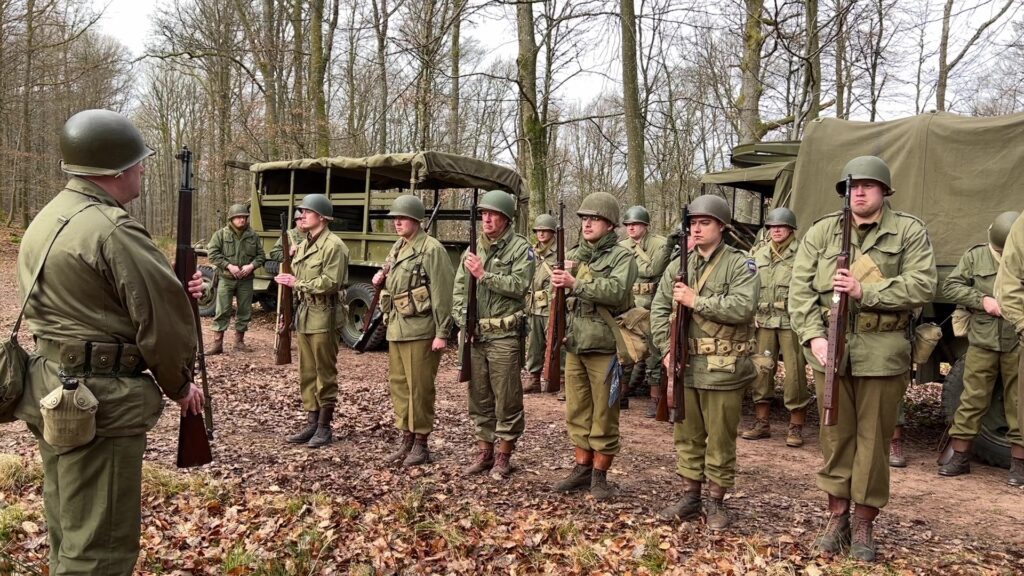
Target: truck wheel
[(208, 303), (267, 300), (990, 446), (358, 298)]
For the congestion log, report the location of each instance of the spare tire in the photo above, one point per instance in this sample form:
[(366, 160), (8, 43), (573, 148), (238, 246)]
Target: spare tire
[(208, 303), (991, 445), (357, 299)]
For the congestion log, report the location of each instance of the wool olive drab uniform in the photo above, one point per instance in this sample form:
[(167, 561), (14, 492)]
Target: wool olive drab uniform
[(721, 340), (538, 300), (994, 350), (295, 237), (894, 262), (106, 309), (774, 334), (496, 388), (321, 274), (230, 245), (417, 303), (650, 265), (1009, 290)]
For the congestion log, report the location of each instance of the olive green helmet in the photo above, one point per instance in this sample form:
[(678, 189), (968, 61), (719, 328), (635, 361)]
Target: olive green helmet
[(100, 143), (318, 203), (600, 204), (781, 217), (499, 201), (711, 205), (545, 222), (1000, 228), (866, 168), (408, 206), (637, 215), (238, 210)]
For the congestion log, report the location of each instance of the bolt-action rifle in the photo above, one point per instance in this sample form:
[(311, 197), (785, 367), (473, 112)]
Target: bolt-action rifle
[(552, 374), (283, 336), (472, 315), (678, 350), (838, 319), (195, 431)]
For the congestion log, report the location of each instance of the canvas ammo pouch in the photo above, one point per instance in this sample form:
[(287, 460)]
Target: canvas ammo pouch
[(13, 367), (961, 320), (540, 300), (867, 322), (630, 331), (926, 338), (69, 415), (643, 288), (509, 323)]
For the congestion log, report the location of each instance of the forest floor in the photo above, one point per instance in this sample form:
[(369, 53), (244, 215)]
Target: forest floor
[(266, 507)]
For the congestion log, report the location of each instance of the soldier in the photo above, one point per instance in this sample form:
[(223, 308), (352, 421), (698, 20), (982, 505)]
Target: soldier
[(1009, 290), (295, 237), (597, 289), (537, 303), (774, 261), (320, 276), (109, 313), (723, 298), (236, 251), (416, 302), (892, 272), (647, 250), (993, 351), (503, 267)]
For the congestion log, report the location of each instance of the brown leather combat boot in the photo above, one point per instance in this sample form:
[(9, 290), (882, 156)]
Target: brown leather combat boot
[(760, 428), (579, 478), (419, 453), (652, 407), (688, 507), (484, 459), (599, 487), (533, 384), (217, 347), (862, 546), (896, 457), (503, 460), (303, 436), (240, 345), (795, 436), (836, 534), (404, 446), (960, 463), (715, 512), (323, 436)]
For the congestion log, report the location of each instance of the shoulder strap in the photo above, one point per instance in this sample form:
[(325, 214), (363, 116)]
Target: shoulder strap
[(642, 253), (708, 270), (62, 221)]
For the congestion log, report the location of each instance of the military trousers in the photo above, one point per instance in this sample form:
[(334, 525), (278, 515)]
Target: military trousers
[(496, 390), (412, 369), (981, 370), (705, 440), (241, 291), (856, 449), (92, 500), (318, 370), (537, 343), (651, 366), (592, 424), (795, 393)]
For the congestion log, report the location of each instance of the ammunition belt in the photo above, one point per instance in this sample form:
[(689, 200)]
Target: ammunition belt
[(641, 288), (318, 299), (867, 322), (502, 324), (719, 347), (78, 358)]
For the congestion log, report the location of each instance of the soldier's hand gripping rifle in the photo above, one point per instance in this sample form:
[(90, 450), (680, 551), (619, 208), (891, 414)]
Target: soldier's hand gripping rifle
[(373, 317), (678, 350), (552, 373), (283, 336), (195, 431), (838, 318), (472, 317)]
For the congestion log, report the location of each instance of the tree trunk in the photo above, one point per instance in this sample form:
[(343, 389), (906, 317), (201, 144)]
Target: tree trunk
[(631, 104), (750, 73), (534, 136), (380, 27), (840, 59), (455, 123), (812, 74)]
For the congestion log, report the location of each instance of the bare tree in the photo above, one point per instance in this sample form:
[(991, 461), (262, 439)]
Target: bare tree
[(946, 66)]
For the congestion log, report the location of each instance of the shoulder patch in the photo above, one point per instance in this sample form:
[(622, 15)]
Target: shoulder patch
[(751, 266), (530, 254)]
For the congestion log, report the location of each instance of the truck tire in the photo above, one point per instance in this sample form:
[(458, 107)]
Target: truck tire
[(268, 299), (208, 303), (990, 446), (357, 299)]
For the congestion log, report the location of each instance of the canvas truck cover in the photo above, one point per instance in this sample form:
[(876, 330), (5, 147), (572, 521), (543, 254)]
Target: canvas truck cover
[(955, 173)]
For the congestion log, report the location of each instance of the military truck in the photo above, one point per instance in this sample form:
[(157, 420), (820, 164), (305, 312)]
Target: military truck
[(955, 173), (361, 190)]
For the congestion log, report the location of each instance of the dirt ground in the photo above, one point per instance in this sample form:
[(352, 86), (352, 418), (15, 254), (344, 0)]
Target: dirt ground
[(970, 525)]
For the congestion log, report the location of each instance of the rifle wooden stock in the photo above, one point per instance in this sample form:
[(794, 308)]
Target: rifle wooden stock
[(283, 336), (472, 316), (196, 430), (551, 375), (674, 408), (838, 319)]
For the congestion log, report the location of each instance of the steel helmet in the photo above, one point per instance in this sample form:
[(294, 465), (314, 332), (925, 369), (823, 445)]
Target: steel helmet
[(408, 206), (711, 205), (781, 217), (637, 215), (866, 168), (600, 204), (499, 201), (318, 203), (238, 210), (100, 143), (545, 222), (1000, 228)]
